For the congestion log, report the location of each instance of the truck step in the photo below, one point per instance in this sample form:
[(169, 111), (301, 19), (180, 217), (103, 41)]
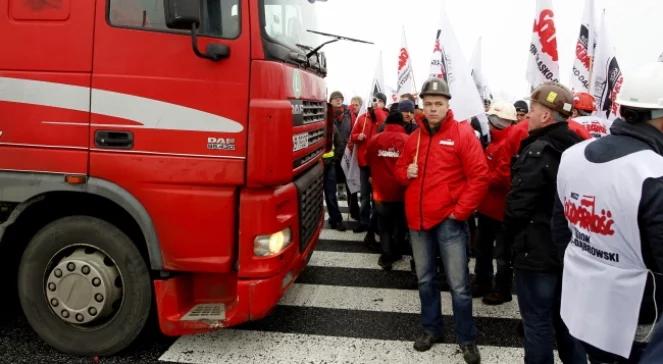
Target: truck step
[(206, 311)]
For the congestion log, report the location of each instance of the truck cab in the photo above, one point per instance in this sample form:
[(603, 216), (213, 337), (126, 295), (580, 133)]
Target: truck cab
[(150, 168)]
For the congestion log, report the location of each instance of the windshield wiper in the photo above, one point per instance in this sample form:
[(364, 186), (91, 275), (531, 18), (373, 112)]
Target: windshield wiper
[(336, 39)]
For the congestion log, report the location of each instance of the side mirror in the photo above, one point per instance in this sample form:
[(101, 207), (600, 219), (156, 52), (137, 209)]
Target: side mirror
[(182, 14), (186, 14)]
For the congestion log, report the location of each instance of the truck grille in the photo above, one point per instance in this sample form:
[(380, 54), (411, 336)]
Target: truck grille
[(306, 112), (309, 189), (305, 159)]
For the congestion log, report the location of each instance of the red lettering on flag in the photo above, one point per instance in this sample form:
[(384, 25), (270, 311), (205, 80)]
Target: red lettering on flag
[(545, 27)]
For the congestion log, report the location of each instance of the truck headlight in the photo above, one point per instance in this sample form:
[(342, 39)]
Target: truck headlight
[(273, 244)]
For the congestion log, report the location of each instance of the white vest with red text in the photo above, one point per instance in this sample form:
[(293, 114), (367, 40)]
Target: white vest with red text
[(597, 126), (604, 272)]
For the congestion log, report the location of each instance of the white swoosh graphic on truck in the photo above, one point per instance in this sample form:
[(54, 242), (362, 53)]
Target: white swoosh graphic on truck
[(150, 113)]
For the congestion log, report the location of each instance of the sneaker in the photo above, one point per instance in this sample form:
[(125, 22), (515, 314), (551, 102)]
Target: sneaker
[(385, 262), (471, 353), (425, 341), (361, 228), (496, 298), (340, 226)]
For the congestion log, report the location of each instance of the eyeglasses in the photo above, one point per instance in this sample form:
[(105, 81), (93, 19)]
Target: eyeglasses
[(521, 114), (376, 100)]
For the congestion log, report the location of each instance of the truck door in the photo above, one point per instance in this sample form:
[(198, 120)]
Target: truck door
[(170, 127), (45, 68)]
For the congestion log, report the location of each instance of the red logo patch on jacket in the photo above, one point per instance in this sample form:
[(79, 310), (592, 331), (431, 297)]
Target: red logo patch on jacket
[(581, 211)]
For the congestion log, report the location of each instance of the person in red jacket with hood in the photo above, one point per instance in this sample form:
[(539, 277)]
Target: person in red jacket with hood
[(365, 127), (383, 151), (446, 175), (491, 214)]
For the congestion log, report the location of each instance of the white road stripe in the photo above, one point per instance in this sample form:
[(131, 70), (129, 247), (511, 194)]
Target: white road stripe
[(383, 300), (348, 235), (238, 346), (353, 261), (363, 260)]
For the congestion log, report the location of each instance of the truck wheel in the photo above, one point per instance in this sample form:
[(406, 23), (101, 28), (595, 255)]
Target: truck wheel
[(84, 287)]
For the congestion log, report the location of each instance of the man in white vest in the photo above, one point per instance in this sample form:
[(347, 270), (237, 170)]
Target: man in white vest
[(611, 193)]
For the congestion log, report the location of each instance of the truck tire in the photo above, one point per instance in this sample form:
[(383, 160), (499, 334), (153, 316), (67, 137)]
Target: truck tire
[(84, 286)]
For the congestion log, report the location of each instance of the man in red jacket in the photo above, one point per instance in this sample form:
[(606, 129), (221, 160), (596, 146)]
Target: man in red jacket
[(491, 214), (446, 175), (383, 151), (365, 127)]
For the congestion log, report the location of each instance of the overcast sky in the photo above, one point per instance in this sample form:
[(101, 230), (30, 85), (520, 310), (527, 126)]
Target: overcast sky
[(505, 27)]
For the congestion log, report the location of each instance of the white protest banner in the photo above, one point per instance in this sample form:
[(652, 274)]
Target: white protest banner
[(542, 66), (606, 75), (584, 55), (405, 74)]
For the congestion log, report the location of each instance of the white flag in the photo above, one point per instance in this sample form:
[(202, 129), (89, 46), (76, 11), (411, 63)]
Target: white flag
[(477, 75), (350, 167), (542, 66), (449, 64), (405, 75), (378, 80), (582, 64), (606, 75)]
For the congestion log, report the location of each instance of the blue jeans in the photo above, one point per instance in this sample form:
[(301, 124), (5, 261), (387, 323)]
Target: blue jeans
[(539, 295), (449, 238), (654, 351)]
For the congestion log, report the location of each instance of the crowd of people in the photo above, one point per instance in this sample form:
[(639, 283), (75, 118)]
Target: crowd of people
[(567, 203)]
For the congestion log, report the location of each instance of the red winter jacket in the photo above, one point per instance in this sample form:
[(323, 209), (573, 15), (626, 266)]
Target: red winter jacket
[(494, 202), (452, 175), (499, 158), (383, 152), (369, 127)]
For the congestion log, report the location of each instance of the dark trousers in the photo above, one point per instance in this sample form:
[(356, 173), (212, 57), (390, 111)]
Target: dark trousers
[(353, 200), (365, 198), (491, 245), (329, 187), (539, 297), (391, 224), (598, 356)]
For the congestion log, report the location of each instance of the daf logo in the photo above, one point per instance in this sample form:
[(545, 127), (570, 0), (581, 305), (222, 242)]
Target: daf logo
[(221, 143), (297, 109)]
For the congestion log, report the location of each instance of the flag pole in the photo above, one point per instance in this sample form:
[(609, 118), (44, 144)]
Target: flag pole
[(416, 154)]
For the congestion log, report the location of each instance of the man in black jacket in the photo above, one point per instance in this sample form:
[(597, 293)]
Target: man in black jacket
[(611, 193), (529, 208)]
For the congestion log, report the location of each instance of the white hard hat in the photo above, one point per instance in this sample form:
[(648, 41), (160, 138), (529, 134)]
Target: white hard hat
[(503, 110), (644, 88)]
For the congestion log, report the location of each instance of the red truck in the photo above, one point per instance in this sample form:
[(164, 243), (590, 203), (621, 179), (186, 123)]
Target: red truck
[(156, 157)]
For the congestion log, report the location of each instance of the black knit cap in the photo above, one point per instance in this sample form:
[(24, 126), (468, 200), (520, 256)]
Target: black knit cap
[(521, 106)]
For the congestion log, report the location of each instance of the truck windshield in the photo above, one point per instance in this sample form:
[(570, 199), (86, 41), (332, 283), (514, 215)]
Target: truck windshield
[(286, 21)]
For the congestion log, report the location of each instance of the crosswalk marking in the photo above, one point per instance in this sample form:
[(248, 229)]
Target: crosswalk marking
[(348, 235), (354, 261), (239, 346), (345, 309), (382, 300)]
